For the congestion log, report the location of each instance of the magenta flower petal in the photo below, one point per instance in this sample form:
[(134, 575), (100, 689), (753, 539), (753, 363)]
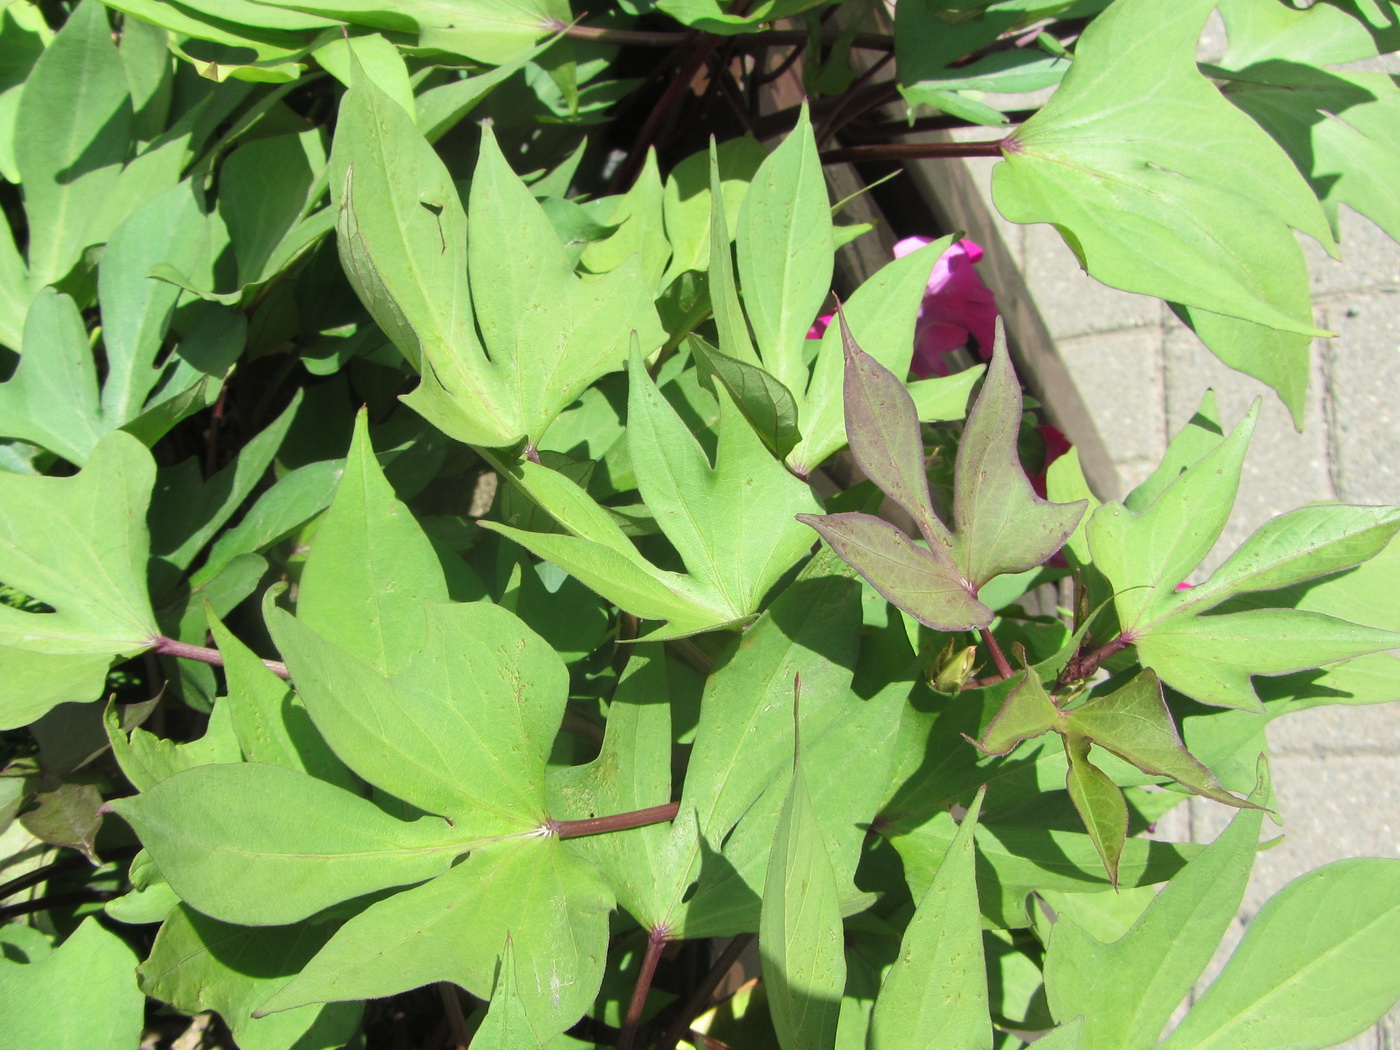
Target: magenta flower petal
[(957, 306)]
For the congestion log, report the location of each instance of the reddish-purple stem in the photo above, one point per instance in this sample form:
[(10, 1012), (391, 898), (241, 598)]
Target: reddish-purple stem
[(205, 655), (656, 941), (699, 1000), (914, 151), (746, 41), (1083, 666), (637, 818), (998, 657)]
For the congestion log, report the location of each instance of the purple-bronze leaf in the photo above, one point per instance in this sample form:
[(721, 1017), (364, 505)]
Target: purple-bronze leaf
[(1001, 524), (882, 426), (1026, 713), (68, 814), (1134, 723), (929, 589), (1100, 804)]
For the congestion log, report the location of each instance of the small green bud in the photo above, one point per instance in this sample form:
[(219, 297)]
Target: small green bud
[(955, 669)]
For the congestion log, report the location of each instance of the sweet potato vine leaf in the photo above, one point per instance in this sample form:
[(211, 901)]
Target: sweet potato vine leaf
[(1002, 526), (1148, 546), (461, 732), (731, 522), (78, 545), (545, 332), (1340, 126), (1171, 191), (1132, 721)]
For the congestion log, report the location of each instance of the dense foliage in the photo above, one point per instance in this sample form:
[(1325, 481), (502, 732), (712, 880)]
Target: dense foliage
[(454, 594)]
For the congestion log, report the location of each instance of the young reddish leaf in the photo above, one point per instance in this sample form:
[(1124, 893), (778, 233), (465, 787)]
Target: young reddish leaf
[(907, 575), (1133, 722), (1001, 524), (1027, 712), (67, 815), (883, 427), (1100, 804)]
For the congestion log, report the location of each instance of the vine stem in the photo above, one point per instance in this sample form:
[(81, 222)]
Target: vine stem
[(1084, 666), (914, 151), (744, 41), (700, 998), (656, 941), (205, 655), (637, 818), (998, 657)]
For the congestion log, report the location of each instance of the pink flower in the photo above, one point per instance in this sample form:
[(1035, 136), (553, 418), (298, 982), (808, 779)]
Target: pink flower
[(957, 307), (1056, 445), (819, 326)]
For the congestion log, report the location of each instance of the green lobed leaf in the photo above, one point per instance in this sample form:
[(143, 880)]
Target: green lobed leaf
[(1146, 553), (1300, 545), (168, 229), (506, 1025), (732, 522), (641, 229), (80, 545), (800, 932), (52, 398), (687, 208), (1099, 802), (550, 333), (92, 976), (72, 133), (266, 845), (267, 187), (463, 729), (743, 742), (1126, 991), (632, 771), (269, 722), (730, 322), (765, 403), (198, 964), (1171, 192), (784, 251), (371, 566), (551, 904), (189, 510), (1337, 126), (1315, 966), (401, 233), (935, 994), (1201, 435), (1211, 658), (146, 759)]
